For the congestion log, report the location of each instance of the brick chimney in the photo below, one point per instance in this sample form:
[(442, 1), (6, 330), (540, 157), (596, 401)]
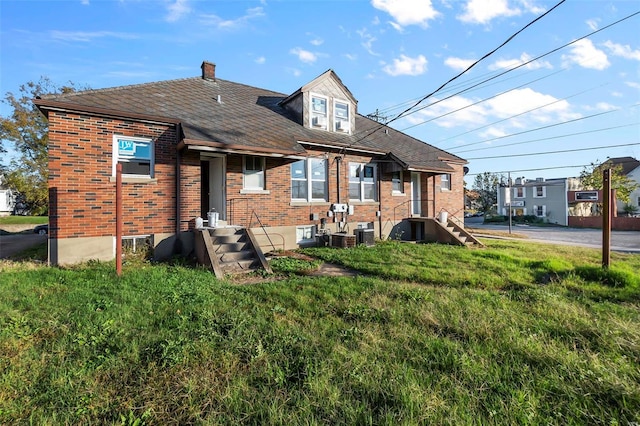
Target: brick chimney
[(208, 71)]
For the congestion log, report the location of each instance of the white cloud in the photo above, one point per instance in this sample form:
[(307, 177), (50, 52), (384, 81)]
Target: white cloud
[(521, 100), (458, 64), (304, 55), (624, 51), (592, 24), (296, 72), (483, 11), (407, 66), (585, 54), (317, 41), (231, 24), (467, 116), (512, 63), (367, 41), (408, 12), (177, 10), (88, 36), (633, 84), (260, 60), (461, 112), (375, 21), (84, 2), (350, 56)]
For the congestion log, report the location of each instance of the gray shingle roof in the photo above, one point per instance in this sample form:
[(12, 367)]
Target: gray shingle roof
[(231, 114)]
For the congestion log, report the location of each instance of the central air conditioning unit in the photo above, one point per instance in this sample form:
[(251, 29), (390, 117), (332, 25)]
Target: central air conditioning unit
[(364, 236), (319, 121)]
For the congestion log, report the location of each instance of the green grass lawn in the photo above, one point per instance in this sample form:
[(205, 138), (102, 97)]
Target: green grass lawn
[(23, 220), (517, 333)]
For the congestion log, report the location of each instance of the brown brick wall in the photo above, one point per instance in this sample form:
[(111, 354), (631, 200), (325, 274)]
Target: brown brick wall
[(82, 191)]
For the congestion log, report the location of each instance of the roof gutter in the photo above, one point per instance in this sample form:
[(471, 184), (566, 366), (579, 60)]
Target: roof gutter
[(236, 149), (343, 147)]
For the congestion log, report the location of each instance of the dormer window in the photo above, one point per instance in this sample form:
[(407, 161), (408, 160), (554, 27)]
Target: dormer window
[(318, 112), (341, 118)]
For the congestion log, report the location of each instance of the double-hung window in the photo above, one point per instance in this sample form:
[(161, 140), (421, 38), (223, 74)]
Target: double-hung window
[(135, 154), (253, 172), (362, 182), (341, 117), (309, 180), (519, 192), (319, 118), (539, 192), (540, 211), (445, 182), (397, 186)]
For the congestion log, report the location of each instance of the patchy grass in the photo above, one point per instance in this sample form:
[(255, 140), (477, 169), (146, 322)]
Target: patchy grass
[(512, 334)]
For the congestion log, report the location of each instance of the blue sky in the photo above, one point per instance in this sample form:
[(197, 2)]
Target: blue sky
[(389, 53)]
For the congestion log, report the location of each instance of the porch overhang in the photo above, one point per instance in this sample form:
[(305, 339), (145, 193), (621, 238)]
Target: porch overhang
[(210, 146)]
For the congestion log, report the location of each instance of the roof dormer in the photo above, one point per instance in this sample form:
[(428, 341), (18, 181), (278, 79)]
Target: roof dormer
[(324, 104)]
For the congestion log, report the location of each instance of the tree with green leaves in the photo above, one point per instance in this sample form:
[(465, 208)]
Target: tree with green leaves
[(486, 186), (26, 129), (591, 178)]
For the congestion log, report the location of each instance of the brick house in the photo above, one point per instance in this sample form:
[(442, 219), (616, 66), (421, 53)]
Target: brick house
[(285, 164)]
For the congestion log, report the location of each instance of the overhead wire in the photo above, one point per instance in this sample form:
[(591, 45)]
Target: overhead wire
[(521, 114), (554, 137), (537, 129), (555, 152), (405, 113)]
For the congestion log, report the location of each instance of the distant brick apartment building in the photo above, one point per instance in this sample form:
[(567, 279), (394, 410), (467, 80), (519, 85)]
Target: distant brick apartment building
[(259, 158)]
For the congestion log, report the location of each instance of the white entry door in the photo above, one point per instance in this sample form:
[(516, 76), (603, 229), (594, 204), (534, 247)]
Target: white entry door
[(217, 186), (416, 209)]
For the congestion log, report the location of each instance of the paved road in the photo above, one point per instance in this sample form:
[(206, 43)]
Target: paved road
[(623, 241), (12, 244)]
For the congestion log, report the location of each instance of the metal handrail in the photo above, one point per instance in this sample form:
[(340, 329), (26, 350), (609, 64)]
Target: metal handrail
[(453, 216), (402, 204), (253, 213), (231, 207)]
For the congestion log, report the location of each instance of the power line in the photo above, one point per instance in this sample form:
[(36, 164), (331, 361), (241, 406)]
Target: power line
[(554, 152), (520, 114), (537, 128), (478, 102), (554, 137), (404, 113)]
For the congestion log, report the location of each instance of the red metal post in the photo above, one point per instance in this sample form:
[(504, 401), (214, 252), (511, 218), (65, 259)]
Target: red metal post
[(119, 219), (606, 218)]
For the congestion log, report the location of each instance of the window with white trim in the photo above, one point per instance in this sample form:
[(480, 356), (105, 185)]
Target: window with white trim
[(540, 211), (309, 180), (341, 117), (362, 182), (445, 182), (305, 234), (253, 172), (539, 191), (397, 184), (519, 192), (318, 108), (135, 154)]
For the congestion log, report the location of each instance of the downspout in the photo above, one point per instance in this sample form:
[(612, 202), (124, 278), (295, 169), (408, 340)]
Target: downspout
[(340, 224), (433, 187), (338, 159), (379, 203), (177, 248)]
